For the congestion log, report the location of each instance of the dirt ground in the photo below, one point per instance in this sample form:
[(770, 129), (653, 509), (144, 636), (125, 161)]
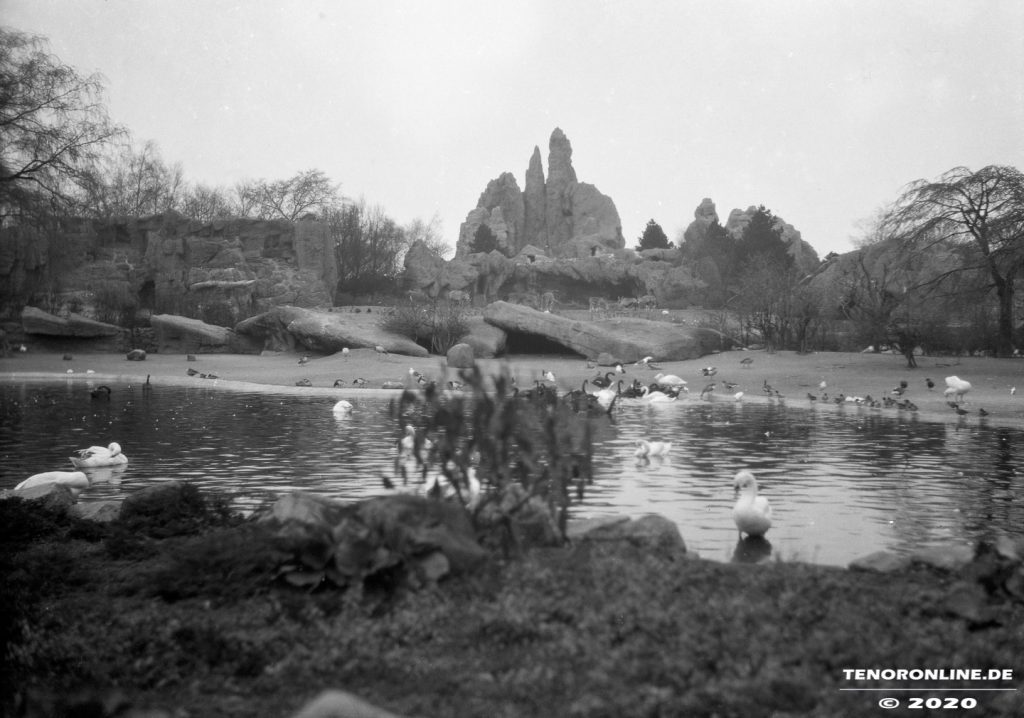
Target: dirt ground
[(793, 375)]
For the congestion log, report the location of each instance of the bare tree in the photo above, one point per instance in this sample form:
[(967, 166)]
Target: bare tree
[(430, 233), (984, 211), (133, 183), (368, 245), (309, 191), (53, 124), (204, 203)]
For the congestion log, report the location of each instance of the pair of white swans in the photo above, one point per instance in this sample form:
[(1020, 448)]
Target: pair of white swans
[(94, 457)]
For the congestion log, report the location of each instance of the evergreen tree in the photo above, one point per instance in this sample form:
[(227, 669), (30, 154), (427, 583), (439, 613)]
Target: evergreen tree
[(654, 237), (761, 241), (484, 240)]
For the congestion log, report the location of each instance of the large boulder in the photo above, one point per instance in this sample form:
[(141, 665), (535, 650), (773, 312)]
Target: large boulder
[(288, 328), (181, 335), (627, 338), (487, 340)]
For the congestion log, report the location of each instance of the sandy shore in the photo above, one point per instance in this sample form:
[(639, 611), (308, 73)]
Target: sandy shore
[(793, 375)]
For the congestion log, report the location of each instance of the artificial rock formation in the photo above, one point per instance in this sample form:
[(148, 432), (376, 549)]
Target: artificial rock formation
[(562, 216), (625, 339), (295, 328), (182, 335)]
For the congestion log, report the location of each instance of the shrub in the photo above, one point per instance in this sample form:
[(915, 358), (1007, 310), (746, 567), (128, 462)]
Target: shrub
[(524, 447), (437, 327)]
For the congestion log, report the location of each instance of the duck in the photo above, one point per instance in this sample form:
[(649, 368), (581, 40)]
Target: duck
[(752, 513), (71, 479), (645, 449), (99, 456), (100, 392), (343, 408)]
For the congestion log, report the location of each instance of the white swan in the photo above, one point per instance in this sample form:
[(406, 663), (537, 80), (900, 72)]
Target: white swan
[(752, 513), (645, 449), (71, 479), (439, 482), (407, 445), (606, 396), (654, 397), (669, 380), (99, 456), (343, 409)]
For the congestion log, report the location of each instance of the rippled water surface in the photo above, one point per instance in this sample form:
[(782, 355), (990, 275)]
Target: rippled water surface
[(841, 484)]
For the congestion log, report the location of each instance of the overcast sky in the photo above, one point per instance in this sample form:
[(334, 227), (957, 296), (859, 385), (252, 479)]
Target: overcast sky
[(822, 111)]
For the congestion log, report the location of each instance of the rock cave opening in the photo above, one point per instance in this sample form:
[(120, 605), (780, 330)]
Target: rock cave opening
[(525, 343)]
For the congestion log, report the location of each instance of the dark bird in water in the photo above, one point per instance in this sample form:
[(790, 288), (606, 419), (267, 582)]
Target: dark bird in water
[(811, 397), (603, 382), (930, 384), (982, 412), (67, 357), (960, 410), (147, 386), (100, 392), (903, 384), (212, 376)]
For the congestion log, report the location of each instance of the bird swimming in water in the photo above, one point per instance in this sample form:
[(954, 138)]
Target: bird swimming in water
[(645, 449), (99, 456), (751, 513), (343, 408), (100, 392)]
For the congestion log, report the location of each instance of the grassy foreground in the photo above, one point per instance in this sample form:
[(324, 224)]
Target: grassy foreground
[(182, 616)]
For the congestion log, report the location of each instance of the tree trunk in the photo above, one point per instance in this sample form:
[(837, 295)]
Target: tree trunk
[(1004, 291)]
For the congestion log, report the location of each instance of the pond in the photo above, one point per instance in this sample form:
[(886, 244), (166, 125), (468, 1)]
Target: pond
[(841, 484)]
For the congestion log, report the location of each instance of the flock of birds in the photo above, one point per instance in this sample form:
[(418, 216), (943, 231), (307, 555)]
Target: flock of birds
[(752, 512)]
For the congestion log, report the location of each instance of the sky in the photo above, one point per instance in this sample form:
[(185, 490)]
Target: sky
[(820, 110)]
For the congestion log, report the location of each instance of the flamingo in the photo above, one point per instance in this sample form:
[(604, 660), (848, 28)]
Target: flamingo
[(752, 513)]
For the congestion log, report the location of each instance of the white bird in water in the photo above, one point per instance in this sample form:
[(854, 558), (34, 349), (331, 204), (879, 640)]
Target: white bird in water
[(654, 397), (752, 513), (345, 352), (99, 456), (737, 396), (71, 479), (645, 449), (343, 408), (549, 376)]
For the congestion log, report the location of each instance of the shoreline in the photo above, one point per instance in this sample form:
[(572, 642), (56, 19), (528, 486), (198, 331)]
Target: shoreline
[(793, 375)]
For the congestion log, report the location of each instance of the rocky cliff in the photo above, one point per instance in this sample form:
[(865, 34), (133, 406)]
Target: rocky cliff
[(561, 216), (221, 272)]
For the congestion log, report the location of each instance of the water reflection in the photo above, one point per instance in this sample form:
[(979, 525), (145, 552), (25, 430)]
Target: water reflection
[(841, 484)]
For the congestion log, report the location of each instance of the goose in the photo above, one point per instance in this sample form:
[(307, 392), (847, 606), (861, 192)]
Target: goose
[(645, 449), (71, 479), (343, 408), (99, 456), (956, 387), (752, 513), (669, 380)]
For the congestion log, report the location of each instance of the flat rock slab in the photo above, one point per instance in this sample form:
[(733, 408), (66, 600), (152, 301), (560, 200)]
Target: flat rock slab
[(182, 335), (287, 328), (36, 321), (627, 339)]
